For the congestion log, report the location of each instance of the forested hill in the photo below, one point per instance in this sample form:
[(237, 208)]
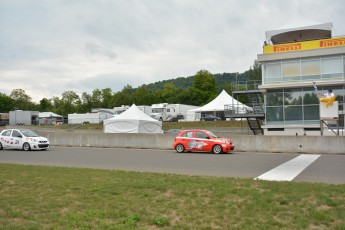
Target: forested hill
[(193, 90), (186, 82)]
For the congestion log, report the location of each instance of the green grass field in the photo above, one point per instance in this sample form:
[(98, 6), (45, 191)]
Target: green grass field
[(37, 197)]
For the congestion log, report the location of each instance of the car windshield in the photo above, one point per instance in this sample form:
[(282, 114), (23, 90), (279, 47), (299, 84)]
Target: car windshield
[(29, 133), (211, 134)]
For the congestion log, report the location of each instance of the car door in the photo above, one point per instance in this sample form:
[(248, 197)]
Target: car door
[(188, 140), (6, 138), (17, 139), (204, 141)]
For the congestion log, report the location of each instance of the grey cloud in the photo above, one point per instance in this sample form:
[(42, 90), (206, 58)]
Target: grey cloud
[(99, 50), (82, 45)]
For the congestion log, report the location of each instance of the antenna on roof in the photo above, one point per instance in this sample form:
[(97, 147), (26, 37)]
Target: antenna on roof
[(336, 35)]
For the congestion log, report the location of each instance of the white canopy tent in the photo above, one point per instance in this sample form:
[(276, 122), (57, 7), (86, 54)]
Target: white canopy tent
[(49, 118), (217, 105), (133, 120)]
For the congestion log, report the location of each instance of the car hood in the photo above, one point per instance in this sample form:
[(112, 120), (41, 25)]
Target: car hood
[(222, 139), (36, 139)]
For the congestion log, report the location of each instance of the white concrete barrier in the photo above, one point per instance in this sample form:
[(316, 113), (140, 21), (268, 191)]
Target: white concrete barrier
[(246, 143)]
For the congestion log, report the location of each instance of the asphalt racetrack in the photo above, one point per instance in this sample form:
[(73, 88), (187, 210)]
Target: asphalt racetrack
[(264, 166)]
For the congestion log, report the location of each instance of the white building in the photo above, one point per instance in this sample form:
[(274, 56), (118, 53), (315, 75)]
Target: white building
[(292, 60)]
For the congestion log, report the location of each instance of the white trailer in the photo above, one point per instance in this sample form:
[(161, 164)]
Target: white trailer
[(20, 117), (87, 118), (165, 111), (120, 109), (145, 108)]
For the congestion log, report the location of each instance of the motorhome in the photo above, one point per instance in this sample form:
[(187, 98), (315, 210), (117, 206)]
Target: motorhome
[(165, 111)]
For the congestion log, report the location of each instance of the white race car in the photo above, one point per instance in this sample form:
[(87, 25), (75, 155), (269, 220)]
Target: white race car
[(22, 139)]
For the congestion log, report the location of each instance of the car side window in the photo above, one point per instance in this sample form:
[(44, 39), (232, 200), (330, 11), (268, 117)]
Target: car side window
[(201, 135), (15, 133), (7, 133), (188, 134)]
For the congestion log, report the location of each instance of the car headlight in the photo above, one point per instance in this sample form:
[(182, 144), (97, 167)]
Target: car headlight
[(33, 140)]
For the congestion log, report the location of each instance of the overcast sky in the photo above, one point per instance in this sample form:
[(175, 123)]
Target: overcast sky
[(48, 47)]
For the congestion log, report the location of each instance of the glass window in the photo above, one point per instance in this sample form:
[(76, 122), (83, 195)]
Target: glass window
[(293, 115), (274, 115), (332, 67), (310, 97), (291, 70), (15, 133), (6, 133), (188, 134), (310, 69), (293, 97), (200, 135), (272, 72), (274, 98), (312, 112)]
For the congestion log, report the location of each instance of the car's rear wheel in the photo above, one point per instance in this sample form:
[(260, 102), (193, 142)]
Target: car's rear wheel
[(1, 148), (179, 148), (26, 146), (217, 149)]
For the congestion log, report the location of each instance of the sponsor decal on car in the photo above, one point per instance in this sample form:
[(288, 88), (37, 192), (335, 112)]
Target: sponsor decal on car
[(193, 144)]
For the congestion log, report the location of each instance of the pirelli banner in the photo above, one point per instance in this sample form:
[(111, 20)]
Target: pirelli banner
[(308, 45)]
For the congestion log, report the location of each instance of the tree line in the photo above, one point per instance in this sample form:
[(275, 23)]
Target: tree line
[(195, 90)]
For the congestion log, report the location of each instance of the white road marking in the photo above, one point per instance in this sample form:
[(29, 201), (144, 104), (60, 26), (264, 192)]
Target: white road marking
[(289, 170)]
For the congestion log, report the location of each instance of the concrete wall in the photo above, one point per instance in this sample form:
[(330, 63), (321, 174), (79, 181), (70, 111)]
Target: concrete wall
[(293, 144)]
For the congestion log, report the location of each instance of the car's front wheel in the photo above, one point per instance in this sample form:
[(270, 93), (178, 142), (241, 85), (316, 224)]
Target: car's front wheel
[(179, 148), (217, 149), (26, 146), (1, 148)]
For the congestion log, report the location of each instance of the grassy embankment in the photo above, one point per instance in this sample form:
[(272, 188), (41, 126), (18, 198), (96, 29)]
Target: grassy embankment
[(165, 126), (36, 197)]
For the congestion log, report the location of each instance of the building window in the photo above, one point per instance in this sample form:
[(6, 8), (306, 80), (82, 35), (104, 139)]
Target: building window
[(293, 115), (311, 114), (307, 69), (310, 69), (310, 97), (293, 97), (291, 71), (293, 106), (274, 108), (332, 67), (274, 115), (275, 98), (273, 72)]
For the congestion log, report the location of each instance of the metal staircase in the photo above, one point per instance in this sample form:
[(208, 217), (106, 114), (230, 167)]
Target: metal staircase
[(255, 114), (255, 125)]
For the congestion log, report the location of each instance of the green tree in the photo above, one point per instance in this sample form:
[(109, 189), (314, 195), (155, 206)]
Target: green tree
[(6, 103), (204, 88), (144, 96), (45, 105), (86, 103), (70, 102), (107, 98), (169, 93), (124, 97), (21, 99), (255, 72), (96, 98)]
